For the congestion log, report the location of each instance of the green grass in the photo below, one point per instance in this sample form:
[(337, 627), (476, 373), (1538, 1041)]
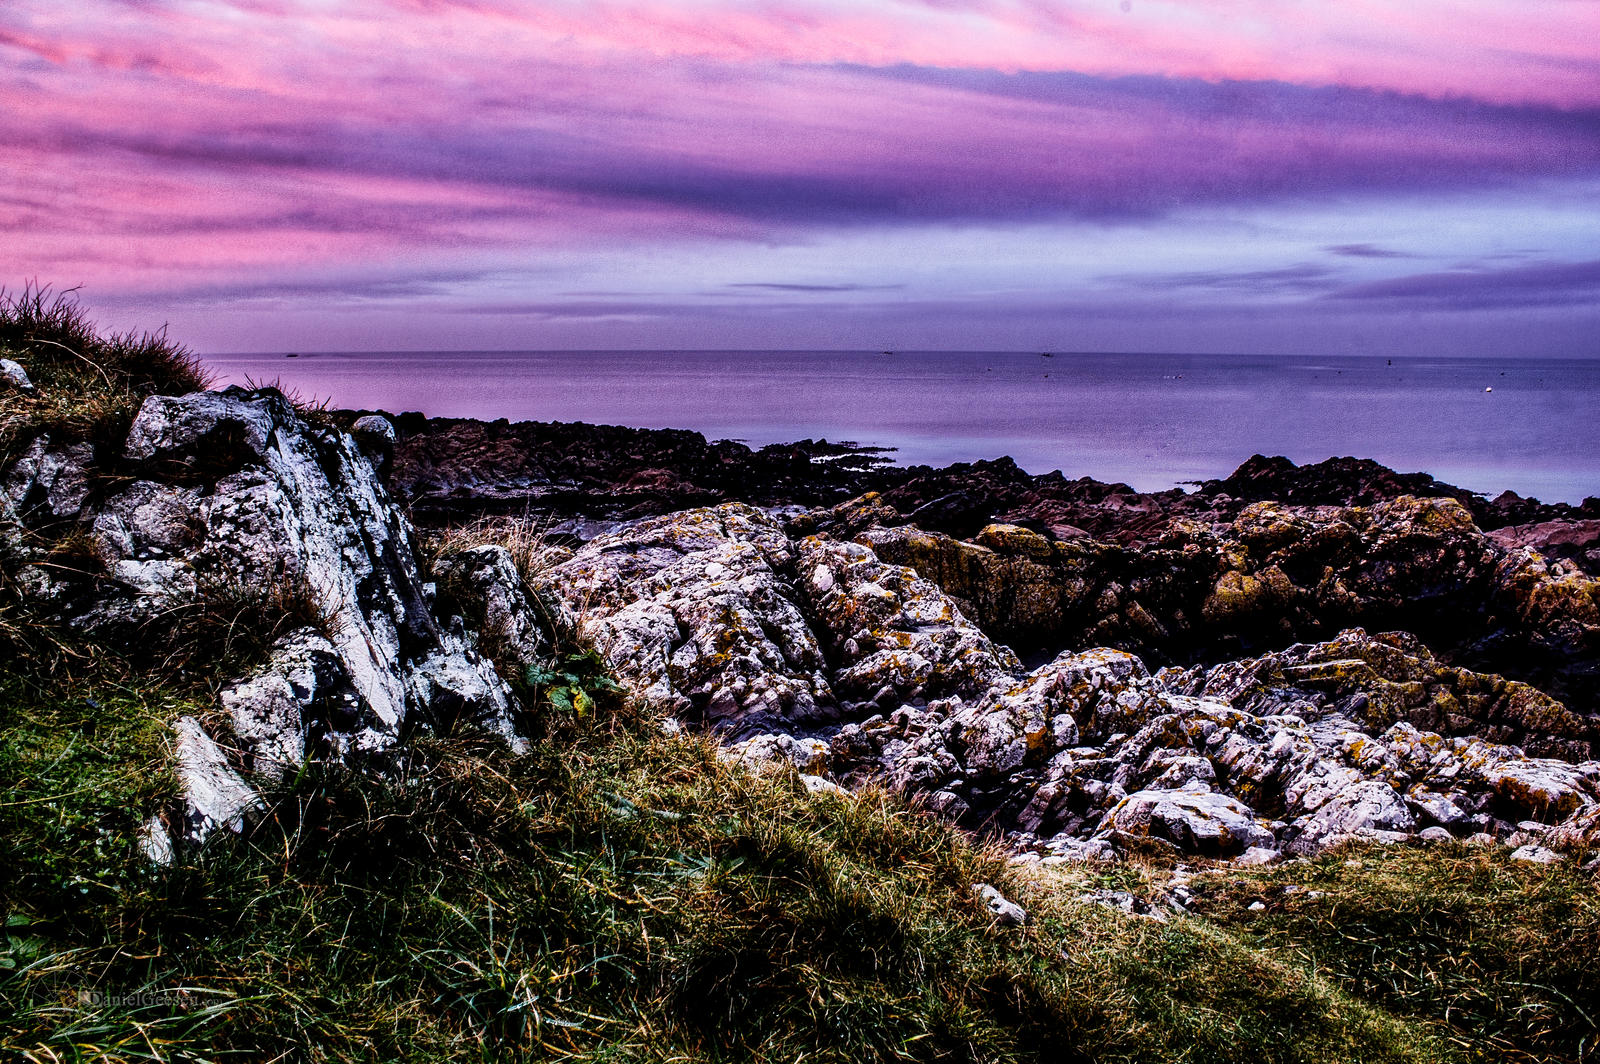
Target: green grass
[(615, 895), (1499, 955)]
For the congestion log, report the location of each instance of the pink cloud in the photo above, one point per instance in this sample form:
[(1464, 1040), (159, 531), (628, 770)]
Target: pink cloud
[(162, 146)]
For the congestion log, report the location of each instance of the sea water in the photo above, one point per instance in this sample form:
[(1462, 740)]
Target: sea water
[(1152, 421)]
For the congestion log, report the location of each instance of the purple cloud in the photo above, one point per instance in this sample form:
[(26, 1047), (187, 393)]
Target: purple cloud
[(1541, 285)]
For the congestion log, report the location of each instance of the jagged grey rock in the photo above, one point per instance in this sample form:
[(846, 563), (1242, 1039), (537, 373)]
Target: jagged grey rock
[(48, 483), (509, 619), (235, 497), (697, 613), (215, 796), (1192, 820), (894, 636)]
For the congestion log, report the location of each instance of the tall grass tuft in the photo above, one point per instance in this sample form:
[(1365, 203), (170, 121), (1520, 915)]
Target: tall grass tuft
[(50, 333)]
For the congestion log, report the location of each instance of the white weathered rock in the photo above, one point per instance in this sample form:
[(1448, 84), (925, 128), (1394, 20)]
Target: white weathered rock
[(269, 710), (1006, 913), (1257, 856), (1194, 821), (155, 842), (895, 636), (215, 796), (234, 499), (1533, 854), (809, 756), (1124, 902), (693, 612), (14, 377), (1365, 809), (297, 511)]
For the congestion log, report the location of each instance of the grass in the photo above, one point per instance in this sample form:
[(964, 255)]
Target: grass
[(615, 895), (89, 383), (1497, 954), (527, 538)]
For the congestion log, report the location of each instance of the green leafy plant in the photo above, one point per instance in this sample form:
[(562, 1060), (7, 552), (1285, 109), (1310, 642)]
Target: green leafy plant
[(572, 682)]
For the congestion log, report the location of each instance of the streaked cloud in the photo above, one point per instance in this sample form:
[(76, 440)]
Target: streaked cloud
[(456, 154)]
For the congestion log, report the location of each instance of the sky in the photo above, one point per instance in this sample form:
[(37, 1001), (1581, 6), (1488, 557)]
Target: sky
[(1299, 176)]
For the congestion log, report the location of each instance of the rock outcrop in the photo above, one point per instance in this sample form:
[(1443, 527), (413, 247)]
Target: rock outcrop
[(861, 648), (821, 653), (1273, 575), (234, 497)]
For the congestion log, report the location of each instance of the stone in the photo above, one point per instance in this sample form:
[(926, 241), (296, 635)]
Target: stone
[(1005, 913), (48, 484), (232, 499), (1195, 821), (215, 796), (155, 843), (808, 756), (1124, 902), (1364, 809), (511, 623), (1257, 856), (1534, 854), (893, 634), (13, 377), (376, 436), (691, 610)]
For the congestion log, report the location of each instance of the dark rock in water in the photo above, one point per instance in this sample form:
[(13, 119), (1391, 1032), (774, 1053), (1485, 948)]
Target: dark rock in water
[(450, 469)]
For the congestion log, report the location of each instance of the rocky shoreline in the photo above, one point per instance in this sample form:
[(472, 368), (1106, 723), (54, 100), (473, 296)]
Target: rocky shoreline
[(1269, 665)]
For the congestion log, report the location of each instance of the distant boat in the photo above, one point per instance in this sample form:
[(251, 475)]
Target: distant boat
[(1046, 354), (292, 354)]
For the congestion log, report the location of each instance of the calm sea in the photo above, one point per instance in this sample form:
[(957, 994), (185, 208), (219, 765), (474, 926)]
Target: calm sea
[(1152, 421)]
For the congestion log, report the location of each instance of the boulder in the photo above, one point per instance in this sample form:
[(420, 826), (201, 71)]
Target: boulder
[(696, 612), (1194, 821), (14, 378)]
